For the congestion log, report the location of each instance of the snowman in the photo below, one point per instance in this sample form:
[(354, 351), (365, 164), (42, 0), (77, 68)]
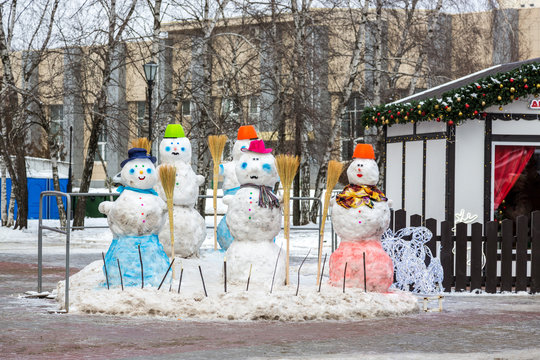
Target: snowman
[(360, 216), (135, 218), (254, 219), (231, 185), (189, 226)]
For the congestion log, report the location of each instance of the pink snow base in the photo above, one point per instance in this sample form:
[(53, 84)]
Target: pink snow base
[(379, 267)]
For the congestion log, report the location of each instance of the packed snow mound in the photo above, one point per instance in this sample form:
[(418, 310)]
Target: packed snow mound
[(87, 295)]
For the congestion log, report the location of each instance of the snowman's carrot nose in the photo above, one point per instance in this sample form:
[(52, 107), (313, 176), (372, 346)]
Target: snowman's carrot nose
[(141, 172)]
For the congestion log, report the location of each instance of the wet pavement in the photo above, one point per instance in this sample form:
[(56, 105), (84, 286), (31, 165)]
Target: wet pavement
[(470, 326)]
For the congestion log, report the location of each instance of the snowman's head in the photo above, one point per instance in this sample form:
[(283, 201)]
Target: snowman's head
[(175, 149), (237, 148), (363, 172), (139, 174), (257, 166)]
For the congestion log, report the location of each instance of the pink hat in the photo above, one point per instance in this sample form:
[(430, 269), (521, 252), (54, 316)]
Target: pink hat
[(258, 147)]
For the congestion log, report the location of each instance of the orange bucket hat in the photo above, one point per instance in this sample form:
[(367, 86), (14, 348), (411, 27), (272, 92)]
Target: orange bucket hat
[(247, 132), (364, 151)]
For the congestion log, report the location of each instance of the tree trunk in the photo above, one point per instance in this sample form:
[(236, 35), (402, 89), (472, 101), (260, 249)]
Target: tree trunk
[(59, 200)]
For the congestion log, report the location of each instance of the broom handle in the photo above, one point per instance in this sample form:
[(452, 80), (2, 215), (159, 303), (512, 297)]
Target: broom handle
[(321, 238), (216, 179), (286, 198), (171, 225)]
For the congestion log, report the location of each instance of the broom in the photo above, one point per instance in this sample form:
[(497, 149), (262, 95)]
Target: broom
[(335, 168), (142, 143), (167, 175), (287, 166), (216, 143)]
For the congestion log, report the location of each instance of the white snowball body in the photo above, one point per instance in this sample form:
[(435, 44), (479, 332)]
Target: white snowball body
[(251, 223), (361, 223), (261, 256), (186, 189), (135, 213), (189, 232)]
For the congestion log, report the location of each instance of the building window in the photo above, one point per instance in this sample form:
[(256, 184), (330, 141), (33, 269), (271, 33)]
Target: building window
[(352, 131), (230, 107), (254, 108), (101, 152), (57, 123), (141, 115), (186, 108)]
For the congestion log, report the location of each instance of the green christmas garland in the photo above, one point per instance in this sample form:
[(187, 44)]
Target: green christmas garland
[(466, 102)]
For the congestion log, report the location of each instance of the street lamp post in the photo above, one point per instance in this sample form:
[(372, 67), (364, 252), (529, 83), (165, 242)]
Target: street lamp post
[(69, 184), (150, 71)]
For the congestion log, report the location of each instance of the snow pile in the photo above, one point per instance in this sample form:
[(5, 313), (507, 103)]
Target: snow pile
[(87, 295)]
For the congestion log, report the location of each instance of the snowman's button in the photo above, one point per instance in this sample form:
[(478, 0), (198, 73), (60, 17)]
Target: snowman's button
[(250, 217), (144, 221), (359, 222)]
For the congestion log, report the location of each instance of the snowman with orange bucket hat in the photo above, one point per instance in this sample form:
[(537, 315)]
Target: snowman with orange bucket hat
[(360, 216), (246, 134)]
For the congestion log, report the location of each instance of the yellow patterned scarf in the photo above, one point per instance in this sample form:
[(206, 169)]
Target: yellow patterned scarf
[(354, 196)]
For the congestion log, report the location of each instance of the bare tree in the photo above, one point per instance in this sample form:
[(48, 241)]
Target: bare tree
[(17, 99)]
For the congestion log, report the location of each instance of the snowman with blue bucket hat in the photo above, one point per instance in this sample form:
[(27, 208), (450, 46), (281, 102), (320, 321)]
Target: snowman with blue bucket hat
[(135, 219), (189, 226)]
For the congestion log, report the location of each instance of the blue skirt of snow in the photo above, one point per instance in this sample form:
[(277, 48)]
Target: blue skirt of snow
[(224, 237), (125, 249)]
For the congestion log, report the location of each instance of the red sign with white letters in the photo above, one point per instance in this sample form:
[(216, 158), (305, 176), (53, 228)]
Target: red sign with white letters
[(535, 104)]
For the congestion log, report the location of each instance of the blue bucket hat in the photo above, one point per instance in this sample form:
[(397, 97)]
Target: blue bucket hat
[(137, 153)]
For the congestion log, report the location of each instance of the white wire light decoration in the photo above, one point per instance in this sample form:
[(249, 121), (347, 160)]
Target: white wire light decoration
[(409, 258)]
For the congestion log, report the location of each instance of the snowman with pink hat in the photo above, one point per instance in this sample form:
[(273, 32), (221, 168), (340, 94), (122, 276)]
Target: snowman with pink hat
[(360, 216), (254, 219), (246, 134)]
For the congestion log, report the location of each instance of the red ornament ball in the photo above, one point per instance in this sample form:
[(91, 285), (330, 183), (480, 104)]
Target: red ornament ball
[(526, 86), (511, 80), (475, 112), (450, 122), (438, 119), (467, 106), (378, 114), (478, 87)]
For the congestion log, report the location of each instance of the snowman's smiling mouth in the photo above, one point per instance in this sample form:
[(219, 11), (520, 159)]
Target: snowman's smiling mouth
[(359, 175), (253, 177), (142, 178), (175, 153)]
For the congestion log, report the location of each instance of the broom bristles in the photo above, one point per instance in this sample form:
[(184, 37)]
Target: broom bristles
[(216, 143), (335, 168), (167, 175), (142, 143), (287, 166)]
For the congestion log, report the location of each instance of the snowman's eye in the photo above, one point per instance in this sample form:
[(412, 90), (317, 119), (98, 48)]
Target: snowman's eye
[(132, 171), (267, 167), (177, 143), (244, 165), (243, 147), (183, 149), (167, 148), (149, 170)]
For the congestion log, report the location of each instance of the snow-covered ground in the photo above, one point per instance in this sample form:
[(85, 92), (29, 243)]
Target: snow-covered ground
[(86, 294)]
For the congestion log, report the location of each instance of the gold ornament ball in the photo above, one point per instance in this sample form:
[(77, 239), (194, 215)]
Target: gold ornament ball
[(437, 107), (512, 90), (460, 113), (483, 103), (419, 112), (524, 80), (500, 108), (406, 118), (538, 86), (449, 109), (458, 99), (501, 86), (419, 106), (499, 98)]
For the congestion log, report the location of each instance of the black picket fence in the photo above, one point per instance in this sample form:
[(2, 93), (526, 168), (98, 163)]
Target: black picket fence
[(498, 257)]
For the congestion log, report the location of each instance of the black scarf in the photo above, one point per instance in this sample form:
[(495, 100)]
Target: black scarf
[(266, 196)]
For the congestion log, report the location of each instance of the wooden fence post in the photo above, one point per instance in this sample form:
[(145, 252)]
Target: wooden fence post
[(522, 232), (491, 256), (447, 257), (535, 252), (431, 224), (400, 220), (507, 230), (461, 256), (416, 220), (476, 256)]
